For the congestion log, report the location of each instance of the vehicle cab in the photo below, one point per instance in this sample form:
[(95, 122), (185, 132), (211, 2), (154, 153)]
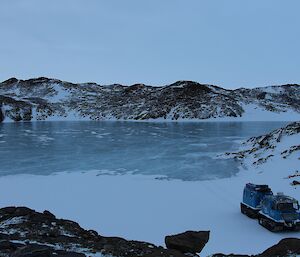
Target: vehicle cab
[(281, 211)]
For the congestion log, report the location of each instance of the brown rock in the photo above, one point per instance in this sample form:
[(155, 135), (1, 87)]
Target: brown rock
[(188, 242), (285, 247)]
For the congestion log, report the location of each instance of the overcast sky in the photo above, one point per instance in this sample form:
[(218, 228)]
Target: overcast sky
[(231, 43)]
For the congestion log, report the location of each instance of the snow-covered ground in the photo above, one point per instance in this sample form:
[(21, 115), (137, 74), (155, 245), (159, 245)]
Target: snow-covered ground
[(256, 113), (142, 208)]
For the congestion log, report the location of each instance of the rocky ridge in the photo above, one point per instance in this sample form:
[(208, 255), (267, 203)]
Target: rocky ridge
[(46, 99), (24, 231)]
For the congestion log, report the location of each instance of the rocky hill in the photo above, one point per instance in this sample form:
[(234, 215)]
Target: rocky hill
[(276, 153), (283, 142), (52, 99)]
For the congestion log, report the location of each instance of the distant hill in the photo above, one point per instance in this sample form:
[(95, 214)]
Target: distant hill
[(52, 99)]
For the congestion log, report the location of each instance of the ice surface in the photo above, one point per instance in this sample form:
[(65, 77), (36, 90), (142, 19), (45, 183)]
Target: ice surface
[(178, 151)]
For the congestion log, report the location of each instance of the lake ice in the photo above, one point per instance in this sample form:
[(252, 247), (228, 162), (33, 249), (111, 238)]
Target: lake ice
[(185, 151)]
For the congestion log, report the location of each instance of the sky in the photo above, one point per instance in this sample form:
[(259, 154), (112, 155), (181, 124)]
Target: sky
[(230, 43)]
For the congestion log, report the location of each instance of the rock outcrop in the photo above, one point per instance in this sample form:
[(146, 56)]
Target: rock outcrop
[(288, 247), (44, 99), (27, 233), (188, 242)]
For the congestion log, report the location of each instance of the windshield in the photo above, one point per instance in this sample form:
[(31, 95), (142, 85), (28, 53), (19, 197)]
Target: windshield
[(287, 206)]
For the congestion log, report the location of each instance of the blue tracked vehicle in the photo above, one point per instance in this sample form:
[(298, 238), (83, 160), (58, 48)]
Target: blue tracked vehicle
[(274, 212)]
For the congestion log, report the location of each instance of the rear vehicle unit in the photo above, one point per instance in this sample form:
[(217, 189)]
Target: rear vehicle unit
[(252, 197)]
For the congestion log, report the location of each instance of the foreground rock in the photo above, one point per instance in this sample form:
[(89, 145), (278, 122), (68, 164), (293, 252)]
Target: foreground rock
[(188, 242), (26, 233), (287, 247), (44, 99)]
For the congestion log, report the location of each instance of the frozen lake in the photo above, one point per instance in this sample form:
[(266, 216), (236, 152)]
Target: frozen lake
[(183, 151)]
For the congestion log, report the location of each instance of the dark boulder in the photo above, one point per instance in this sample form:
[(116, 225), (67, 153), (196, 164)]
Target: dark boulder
[(285, 247), (295, 183), (188, 242), (49, 214)]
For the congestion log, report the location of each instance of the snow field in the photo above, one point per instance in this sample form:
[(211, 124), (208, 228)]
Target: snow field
[(141, 208)]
